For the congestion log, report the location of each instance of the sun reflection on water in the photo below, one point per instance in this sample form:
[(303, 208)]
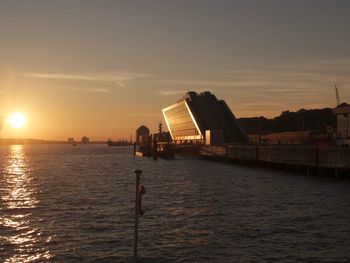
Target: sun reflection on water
[(18, 237)]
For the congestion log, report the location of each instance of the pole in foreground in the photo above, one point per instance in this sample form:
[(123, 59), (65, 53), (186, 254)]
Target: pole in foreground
[(138, 175)]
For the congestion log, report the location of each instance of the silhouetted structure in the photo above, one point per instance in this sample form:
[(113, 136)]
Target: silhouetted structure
[(302, 127), (163, 137), (85, 140), (142, 134), (302, 120), (342, 113), (195, 113), (121, 142)]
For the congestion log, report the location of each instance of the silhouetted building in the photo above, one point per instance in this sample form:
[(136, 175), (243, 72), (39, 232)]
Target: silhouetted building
[(163, 137), (193, 115), (142, 134), (342, 112), (70, 140)]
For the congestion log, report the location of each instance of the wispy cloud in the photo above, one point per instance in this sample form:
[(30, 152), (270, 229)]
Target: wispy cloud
[(117, 78), (291, 64), (83, 89), (98, 90), (171, 92), (269, 88), (298, 77), (144, 114), (221, 83)]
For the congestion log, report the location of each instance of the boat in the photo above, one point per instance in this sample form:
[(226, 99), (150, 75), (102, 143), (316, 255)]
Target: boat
[(118, 143), (165, 150)]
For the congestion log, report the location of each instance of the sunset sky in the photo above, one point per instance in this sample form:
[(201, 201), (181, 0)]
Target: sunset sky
[(102, 68)]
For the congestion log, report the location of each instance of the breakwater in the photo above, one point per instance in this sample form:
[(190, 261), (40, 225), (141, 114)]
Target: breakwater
[(311, 159)]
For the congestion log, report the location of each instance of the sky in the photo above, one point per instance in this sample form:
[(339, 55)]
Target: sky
[(102, 68)]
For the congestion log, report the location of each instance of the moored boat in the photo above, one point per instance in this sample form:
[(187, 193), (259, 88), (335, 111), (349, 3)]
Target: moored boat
[(118, 143)]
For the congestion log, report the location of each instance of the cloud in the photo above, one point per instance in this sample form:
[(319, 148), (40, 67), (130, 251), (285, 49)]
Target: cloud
[(269, 88), (144, 114), (171, 92), (222, 83), (295, 68), (88, 90), (97, 90), (118, 78), (289, 76)]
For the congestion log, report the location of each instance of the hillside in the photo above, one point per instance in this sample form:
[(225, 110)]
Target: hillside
[(315, 119)]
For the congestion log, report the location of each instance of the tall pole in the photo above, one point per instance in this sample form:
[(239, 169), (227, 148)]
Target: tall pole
[(138, 175), (337, 95)]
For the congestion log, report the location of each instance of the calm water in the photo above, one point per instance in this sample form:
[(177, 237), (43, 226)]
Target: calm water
[(75, 204)]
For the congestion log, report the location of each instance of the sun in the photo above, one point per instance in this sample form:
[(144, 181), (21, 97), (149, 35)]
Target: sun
[(17, 120)]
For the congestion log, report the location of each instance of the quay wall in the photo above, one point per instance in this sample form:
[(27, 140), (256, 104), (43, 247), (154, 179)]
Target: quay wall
[(309, 156)]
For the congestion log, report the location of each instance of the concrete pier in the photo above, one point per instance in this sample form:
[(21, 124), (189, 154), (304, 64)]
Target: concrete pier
[(301, 158)]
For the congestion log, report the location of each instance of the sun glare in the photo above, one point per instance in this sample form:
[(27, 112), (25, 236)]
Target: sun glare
[(17, 120)]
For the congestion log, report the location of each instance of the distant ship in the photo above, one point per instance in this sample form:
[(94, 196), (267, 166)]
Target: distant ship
[(118, 143)]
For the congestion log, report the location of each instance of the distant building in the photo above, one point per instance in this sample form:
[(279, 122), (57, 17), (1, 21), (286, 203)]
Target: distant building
[(342, 112), (142, 134), (193, 115), (85, 140), (70, 140)]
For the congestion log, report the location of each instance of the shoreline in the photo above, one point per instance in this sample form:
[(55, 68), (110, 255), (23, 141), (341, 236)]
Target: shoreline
[(13, 141)]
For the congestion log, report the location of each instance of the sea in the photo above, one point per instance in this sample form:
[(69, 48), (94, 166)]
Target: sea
[(63, 203)]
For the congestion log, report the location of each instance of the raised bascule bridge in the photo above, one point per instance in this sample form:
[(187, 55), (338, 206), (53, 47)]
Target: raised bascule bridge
[(200, 118)]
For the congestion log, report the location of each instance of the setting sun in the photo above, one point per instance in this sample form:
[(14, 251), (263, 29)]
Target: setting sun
[(17, 120)]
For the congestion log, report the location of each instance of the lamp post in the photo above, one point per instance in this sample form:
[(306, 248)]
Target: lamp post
[(137, 204)]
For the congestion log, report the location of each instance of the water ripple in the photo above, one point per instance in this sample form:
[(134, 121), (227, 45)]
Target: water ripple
[(75, 204)]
